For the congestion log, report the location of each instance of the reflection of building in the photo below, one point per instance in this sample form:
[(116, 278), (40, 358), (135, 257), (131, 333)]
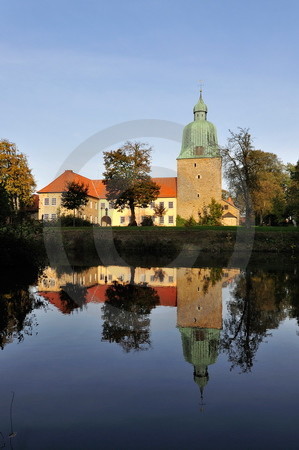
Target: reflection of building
[(198, 180), (192, 289), (199, 316)]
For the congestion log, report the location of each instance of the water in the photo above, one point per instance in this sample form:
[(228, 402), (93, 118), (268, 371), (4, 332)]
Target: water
[(201, 357)]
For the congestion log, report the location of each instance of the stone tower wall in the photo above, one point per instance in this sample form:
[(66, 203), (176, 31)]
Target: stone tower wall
[(198, 181)]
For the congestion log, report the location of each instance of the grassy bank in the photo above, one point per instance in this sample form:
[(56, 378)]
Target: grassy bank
[(161, 246)]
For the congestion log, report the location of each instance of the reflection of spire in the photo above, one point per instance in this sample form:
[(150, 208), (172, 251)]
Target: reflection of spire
[(200, 348)]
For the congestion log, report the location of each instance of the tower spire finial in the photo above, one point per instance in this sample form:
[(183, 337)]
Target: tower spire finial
[(201, 84)]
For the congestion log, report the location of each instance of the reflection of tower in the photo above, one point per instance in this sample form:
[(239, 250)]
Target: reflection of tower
[(199, 298), (199, 318), (200, 347)]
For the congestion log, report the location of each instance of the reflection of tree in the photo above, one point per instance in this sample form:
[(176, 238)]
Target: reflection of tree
[(214, 276), (125, 315), (159, 275), (72, 296), (16, 315), (253, 310)]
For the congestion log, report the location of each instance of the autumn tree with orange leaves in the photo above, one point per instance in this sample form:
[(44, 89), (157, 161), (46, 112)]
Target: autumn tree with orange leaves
[(16, 178)]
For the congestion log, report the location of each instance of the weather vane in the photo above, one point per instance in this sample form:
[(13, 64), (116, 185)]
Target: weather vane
[(201, 84)]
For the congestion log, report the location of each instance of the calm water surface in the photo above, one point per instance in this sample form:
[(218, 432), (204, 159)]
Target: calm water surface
[(118, 357)]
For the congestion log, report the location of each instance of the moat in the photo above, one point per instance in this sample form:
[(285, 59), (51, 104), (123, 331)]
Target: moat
[(160, 357)]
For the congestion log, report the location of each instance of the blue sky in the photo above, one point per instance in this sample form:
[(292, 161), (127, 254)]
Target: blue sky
[(69, 69)]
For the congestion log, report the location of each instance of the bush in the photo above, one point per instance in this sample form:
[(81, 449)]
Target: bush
[(191, 222), (68, 221), (147, 222), (180, 222)]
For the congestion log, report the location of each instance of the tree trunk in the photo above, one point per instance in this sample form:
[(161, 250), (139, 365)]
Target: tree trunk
[(132, 271), (133, 222)]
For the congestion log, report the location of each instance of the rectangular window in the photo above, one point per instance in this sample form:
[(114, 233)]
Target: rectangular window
[(110, 277), (84, 216), (111, 205), (53, 201), (170, 279), (122, 219), (102, 276), (95, 220), (46, 216), (142, 278), (161, 204), (53, 216), (47, 201), (170, 204), (161, 220), (90, 204), (96, 205), (152, 278), (152, 204), (102, 205), (225, 206), (170, 219), (90, 219)]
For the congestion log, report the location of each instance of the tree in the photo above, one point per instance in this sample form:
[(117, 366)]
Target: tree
[(5, 208), (293, 192), (211, 214), (160, 210), (238, 169), (75, 197), (127, 178), (255, 177), (15, 176)]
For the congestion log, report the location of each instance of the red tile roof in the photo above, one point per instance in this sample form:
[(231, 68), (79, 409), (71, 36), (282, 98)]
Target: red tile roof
[(167, 186), (59, 184), (97, 189)]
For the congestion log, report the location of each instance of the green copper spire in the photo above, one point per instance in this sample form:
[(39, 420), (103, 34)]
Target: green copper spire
[(200, 107), (199, 136)]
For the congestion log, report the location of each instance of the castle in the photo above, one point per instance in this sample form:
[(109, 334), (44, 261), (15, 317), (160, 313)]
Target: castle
[(199, 179)]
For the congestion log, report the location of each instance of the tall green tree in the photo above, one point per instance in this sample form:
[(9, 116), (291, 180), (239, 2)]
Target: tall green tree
[(15, 175), (127, 177), (75, 197)]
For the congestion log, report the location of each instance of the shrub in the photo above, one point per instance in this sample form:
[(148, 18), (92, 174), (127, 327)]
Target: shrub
[(180, 222), (147, 222), (68, 221), (191, 222)]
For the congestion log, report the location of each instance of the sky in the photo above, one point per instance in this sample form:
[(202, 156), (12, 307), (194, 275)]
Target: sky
[(71, 69)]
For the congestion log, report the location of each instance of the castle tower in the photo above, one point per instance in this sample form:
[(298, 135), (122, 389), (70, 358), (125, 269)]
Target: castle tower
[(199, 177)]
